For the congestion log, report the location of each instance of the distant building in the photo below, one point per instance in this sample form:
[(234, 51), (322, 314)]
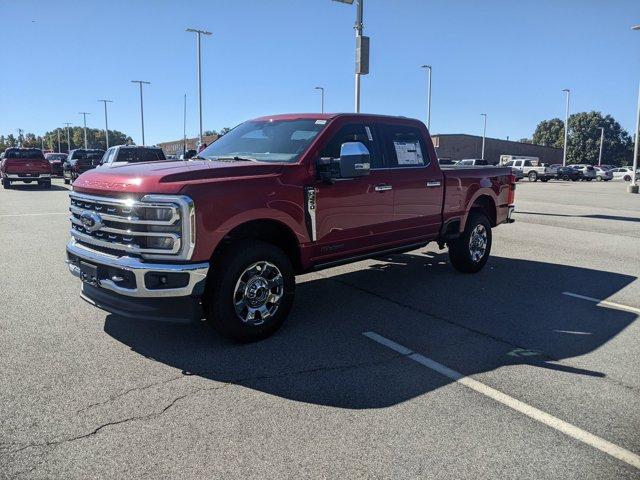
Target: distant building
[(176, 147), (457, 146)]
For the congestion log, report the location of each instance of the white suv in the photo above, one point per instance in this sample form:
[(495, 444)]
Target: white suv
[(623, 173)]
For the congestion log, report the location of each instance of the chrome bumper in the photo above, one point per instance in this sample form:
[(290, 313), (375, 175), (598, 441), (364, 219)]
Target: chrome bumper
[(17, 176), (197, 273)]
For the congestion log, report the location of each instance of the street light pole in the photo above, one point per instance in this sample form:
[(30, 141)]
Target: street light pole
[(184, 127), (68, 138), (566, 128), (321, 98), (106, 123), (84, 115), (58, 132), (428, 67), (199, 33), (141, 82), (484, 132), (633, 188), (601, 143)]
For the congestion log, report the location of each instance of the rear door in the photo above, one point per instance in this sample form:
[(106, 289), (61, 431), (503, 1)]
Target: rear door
[(354, 214), (417, 182)]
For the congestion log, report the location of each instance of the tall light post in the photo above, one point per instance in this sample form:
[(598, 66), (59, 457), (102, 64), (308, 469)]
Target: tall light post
[(321, 98), (68, 138), (184, 127), (484, 132), (140, 83), (633, 188), (199, 33), (58, 132), (428, 67), (84, 115), (566, 128), (106, 123), (601, 143), (362, 49)]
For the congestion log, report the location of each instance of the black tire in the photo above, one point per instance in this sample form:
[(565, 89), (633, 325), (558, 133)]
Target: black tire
[(66, 180), (6, 183), (566, 178), (588, 179), (459, 249), (533, 176), (219, 298), (627, 178), (545, 179)]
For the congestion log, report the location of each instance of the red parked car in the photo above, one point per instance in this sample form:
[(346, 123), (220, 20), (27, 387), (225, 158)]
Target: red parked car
[(56, 160), (25, 165), (222, 236)]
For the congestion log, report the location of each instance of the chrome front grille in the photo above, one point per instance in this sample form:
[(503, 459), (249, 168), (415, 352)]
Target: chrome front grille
[(155, 227)]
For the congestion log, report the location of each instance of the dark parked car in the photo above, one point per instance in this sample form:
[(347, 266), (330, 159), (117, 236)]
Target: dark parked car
[(568, 173), (79, 161), (56, 160)]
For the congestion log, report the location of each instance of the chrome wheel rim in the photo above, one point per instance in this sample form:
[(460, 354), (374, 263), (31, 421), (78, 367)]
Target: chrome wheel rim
[(258, 293), (478, 243)]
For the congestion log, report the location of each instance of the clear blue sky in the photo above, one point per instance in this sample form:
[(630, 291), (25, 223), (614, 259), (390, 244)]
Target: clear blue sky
[(508, 58)]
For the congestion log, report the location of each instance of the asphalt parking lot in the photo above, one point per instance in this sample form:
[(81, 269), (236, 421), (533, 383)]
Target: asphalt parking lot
[(397, 367)]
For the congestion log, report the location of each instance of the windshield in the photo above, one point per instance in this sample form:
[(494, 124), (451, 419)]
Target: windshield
[(88, 154), (24, 154), (56, 156), (133, 155), (267, 141)]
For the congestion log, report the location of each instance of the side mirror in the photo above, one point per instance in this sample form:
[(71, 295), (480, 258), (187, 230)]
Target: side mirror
[(355, 160)]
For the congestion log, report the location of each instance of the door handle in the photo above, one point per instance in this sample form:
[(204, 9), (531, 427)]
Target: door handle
[(433, 183), (383, 187)]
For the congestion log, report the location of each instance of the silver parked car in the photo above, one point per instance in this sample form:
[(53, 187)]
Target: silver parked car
[(588, 171), (603, 175)]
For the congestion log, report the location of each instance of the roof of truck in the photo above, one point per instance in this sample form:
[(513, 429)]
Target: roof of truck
[(326, 116)]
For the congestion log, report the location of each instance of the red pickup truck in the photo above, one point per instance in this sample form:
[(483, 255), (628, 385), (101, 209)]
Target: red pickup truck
[(25, 165), (223, 235)]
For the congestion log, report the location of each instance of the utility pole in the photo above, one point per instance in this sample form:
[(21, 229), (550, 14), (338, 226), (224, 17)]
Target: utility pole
[(428, 67), (68, 138), (106, 123), (484, 132), (601, 143), (199, 33), (566, 128), (141, 82), (84, 115), (321, 98)]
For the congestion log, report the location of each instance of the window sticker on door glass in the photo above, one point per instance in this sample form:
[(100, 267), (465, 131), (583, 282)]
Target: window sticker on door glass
[(408, 153)]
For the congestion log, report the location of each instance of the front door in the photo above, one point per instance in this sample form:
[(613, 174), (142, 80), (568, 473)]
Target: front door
[(356, 214)]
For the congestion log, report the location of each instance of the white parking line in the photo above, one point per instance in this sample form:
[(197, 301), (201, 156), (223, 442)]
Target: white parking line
[(604, 303), (33, 214), (532, 412)]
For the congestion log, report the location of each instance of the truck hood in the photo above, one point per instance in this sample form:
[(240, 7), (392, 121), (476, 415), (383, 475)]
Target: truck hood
[(168, 177)]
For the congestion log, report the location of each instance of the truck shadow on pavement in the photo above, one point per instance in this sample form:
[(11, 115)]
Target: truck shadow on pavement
[(32, 186), (513, 312)]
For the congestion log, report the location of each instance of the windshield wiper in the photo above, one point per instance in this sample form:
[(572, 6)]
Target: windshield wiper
[(235, 158)]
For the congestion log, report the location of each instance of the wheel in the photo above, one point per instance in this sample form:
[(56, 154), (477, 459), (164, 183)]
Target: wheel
[(251, 291), (588, 179), (627, 178), (67, 181), (545, 179), (533, 176), (598, 178), (566, 178), (6, 183), (469, 252)]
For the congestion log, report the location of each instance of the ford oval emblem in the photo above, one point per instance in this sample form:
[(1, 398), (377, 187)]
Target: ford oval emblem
[(91, 221)]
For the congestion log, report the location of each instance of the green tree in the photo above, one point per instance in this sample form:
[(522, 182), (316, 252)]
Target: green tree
[(583, 144), (95, 138), (549, 133)]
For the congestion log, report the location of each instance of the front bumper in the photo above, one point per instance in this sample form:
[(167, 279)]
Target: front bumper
[(130, 287)]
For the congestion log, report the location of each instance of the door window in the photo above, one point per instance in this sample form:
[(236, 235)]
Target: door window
[(404, 146), (353, 133)]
